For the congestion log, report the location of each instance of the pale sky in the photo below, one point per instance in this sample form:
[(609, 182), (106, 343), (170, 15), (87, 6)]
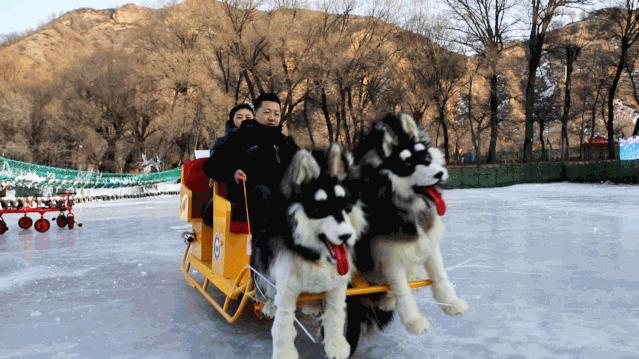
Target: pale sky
[(17, 16), (23, 15)]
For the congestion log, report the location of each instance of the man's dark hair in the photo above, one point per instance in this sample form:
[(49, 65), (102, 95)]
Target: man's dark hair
[(241, 106), (272, 97)]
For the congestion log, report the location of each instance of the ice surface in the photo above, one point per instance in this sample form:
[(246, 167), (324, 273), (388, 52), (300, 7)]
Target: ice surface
[(550, 271)]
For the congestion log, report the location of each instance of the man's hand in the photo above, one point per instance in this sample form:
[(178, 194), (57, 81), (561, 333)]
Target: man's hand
[(239, 176)]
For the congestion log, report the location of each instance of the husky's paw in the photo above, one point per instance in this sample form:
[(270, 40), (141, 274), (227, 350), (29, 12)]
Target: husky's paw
[(337, 348), (269, 309), (418, 325), (456, 307), (387, 303), (288, 352)]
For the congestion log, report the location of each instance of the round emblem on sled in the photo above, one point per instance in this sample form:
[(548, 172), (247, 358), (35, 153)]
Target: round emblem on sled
[(216, 246)]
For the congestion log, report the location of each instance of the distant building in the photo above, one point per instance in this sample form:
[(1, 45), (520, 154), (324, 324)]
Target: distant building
[(597, 149)]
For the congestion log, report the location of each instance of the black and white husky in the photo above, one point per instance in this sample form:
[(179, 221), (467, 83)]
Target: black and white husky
[(324, 222), (399, 171)]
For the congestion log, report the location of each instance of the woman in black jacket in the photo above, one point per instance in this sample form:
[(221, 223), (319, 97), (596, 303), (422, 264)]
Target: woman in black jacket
[(259, 153), (237, 115)]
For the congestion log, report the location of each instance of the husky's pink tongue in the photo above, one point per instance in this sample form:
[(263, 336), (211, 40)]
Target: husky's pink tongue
[(341, 256), (437, 197)]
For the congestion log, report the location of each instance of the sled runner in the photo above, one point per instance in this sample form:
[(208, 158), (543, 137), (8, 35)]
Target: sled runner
[(216, 260)]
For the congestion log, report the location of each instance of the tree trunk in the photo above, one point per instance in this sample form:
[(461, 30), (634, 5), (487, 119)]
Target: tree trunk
[(475, 137), (494, 121), (593, 117), (308, 122), (358, 128), (542, 127), (288, 107), (108, 163), (338, 124), (535, 48), (611, 99), (442, 121), (582, 129), (258, 83), (630, 71), (571, 54), (236, 96), (347, 130), (327, 116), (582, 135), (249, 84), (129, 161), (224, 69)]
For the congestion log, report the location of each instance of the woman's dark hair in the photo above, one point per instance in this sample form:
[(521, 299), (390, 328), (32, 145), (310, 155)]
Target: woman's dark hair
[(241, 106), (271, 97)]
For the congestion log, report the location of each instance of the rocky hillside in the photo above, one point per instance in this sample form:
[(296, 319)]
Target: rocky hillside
[(175, 72), (51, 49)]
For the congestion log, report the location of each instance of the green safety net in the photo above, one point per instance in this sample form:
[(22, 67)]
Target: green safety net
[(22, 174)]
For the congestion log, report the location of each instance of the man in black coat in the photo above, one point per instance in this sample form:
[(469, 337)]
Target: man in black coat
[(259, 153)]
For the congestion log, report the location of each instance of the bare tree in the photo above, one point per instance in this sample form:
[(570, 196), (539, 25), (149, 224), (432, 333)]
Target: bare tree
[(476, 115), (572, 52), (171, 46), (593, 80), (436, 68), (101, 97), (547, 109), (245, 45), (288, 59), (541, 15), (351, 68), (144, 121), (484, 26), (634, 79), (567, 46)]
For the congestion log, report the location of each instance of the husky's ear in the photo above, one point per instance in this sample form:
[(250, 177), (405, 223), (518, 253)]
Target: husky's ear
[(409, 126), (303, 169), (388, 139), (338, 162)]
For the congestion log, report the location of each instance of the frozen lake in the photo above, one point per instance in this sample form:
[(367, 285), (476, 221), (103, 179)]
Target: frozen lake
[(549, 270)]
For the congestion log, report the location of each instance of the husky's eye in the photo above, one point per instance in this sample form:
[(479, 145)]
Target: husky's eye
[(405, 154), (340, 191), (419, 147), (321, 195)]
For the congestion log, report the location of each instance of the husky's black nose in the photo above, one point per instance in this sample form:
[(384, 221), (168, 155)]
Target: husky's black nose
[(439, 175), (345, 237)]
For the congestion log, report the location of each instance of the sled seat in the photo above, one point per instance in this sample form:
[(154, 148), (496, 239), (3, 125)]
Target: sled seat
[(197, 192), (237, 227)]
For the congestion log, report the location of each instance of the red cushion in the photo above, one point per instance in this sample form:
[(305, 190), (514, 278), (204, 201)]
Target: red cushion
[(239, 227), (194, 177)]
